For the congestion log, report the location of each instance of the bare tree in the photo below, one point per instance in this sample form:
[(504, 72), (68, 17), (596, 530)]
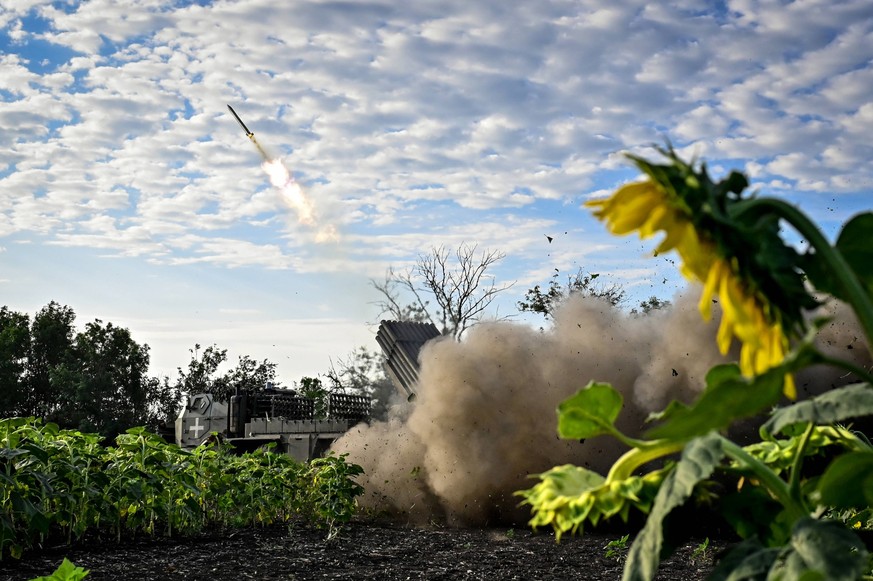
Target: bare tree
[(393, 288), (457, 282)]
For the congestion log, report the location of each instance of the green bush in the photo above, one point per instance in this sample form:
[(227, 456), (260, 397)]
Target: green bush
[(61, 484)]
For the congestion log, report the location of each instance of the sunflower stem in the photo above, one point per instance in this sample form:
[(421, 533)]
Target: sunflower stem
[(855, 292), (778, 487), (794, 479), (635, 457)]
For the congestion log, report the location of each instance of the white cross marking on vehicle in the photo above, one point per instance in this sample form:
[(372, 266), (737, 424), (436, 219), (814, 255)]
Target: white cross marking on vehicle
[(196, 428)]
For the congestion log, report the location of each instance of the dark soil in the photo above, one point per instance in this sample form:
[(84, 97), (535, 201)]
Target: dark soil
[(363, 550)]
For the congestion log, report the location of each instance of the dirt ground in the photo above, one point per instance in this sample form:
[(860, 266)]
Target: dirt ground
[(363, 550)]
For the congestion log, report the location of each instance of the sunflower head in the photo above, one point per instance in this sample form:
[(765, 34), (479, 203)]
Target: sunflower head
[(736, 252)]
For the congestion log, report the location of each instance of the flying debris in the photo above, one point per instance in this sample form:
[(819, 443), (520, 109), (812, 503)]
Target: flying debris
[(249, 134)]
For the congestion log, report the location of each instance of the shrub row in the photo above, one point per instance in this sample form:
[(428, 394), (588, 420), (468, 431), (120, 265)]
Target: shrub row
[(60, 484)]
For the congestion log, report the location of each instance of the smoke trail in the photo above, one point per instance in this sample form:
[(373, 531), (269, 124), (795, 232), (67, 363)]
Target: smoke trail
[(484, 418), (293, 195)]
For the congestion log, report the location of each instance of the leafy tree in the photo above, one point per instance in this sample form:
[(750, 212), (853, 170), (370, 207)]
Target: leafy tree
[(314, 389), (545, 301), (538, 300), (652, 303), (14, 352), (457, 283), (108, 390), (251, 375), (95, 380), (202, 374), (51, 350), (164, 402), (202, 368)]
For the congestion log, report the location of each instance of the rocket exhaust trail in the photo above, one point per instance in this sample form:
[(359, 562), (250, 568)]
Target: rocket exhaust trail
[(291, 192)]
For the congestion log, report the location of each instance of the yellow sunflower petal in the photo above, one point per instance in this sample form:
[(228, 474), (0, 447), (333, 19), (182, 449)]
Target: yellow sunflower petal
[(697, 256), (725, 335), (737, 306), (676, 230), (606, 207), (635, 212), (789, 388), (659, 218), (710, 284)]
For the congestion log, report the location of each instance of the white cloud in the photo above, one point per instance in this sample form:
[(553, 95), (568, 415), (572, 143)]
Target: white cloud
[(409, 124)]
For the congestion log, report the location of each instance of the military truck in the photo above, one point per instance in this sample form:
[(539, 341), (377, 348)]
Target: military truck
[(291, 420), (249, 421)]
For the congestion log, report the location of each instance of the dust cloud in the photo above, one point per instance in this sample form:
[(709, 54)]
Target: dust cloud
[(484, 418)]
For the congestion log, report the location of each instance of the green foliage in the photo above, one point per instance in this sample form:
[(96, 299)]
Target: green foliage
[(833, 406), (848, 481), (853, 244), (202, 375), (728, 397), (698, 461), (617, 548), (14, 350), (67, 571), (817, 550), (109, 387), (61, 484), (544, 302), (510, 534), (652, 303), (93, 380), (591, 412), (700, 551), (313, 388), (569, 496), (797, 496), (330, 491)]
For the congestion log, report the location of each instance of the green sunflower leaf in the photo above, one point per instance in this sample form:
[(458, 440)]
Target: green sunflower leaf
[(591, 412), (835, 405), (747, 560), (856, 245), (67, 571), (697, 463), (728, 396), (821, 549), (848, 481)]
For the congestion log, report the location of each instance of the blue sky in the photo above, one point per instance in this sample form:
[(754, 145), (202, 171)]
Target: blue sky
[(129, 193)]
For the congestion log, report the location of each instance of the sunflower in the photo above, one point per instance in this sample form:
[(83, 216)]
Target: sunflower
[(677, 204), (748, 317)]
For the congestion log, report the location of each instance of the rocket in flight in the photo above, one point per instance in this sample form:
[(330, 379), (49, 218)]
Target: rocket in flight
[(249, 134)]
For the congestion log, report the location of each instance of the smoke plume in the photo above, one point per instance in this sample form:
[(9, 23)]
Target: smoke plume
[(484, 418)]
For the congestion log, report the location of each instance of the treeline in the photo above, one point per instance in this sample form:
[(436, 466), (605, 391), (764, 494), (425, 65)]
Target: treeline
[(96, 380)]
